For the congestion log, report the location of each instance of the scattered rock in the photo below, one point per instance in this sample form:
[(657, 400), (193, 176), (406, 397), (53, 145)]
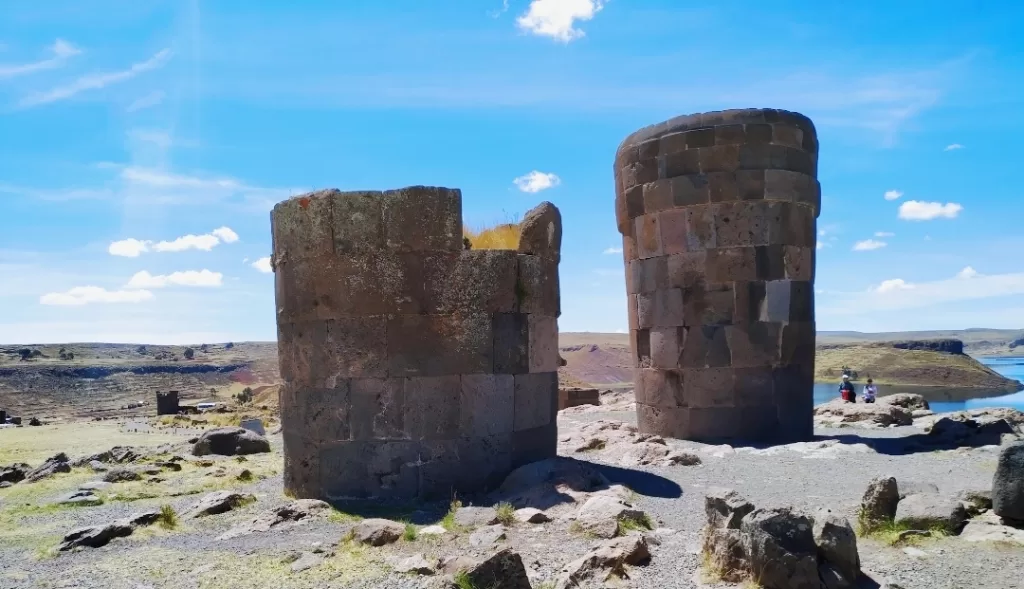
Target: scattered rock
[(781, 548), (989, 527), (837, 543), (80, 498), (608, 560), (116, 455), (98, 466), (146, 518), (14, 473), (919, 413), (94, 536), (1008, 484), (287, 515), (880, 500), (905, 400), (487, 536), (230, 441), (219, 502), (416, 564), (502, 570), (306, 561), (622, 443), (455, 564), (471, 517), (53, 465), (926, 511), (168, 465), (601, 514), (907, 487), (531, 515), (878, 414), (960, 429), (433, 531), (120, 475), (377, 532), (975, 501), (34, 422)]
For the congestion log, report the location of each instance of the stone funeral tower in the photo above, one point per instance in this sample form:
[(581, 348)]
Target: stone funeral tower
[(718, 217), (413, 367)]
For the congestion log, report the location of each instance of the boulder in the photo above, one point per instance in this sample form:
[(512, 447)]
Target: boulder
[(531, 515), (53, 465), (1008, 484), (781, 549), (115, 455), (34, 422), (550, 483), (95, 536), (80, 498), (120, 475), (487, 536), (725, 508), (880, 500), (878, 414), (306, 561), (975, 501), (14, 473), (219, 502), (989, 527), (98, 466), (502, 570), (837, 543), (230, 441), (540, 232), (907, 401), (958, 428), (471, 517), (609, 559), (601, 514), (434, 530), (287, 515), (924, 511), (377, 532), (416, 564)]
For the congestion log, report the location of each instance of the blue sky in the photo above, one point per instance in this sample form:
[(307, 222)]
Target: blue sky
[(177, 124)]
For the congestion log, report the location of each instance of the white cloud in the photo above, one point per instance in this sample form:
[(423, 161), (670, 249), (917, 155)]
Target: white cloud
[(61, 50), (128, 248), (263, 265), (893, 285), (892, 194), (822, 245), (160, 179), (884, 234), (953, 147), (916, 210), (150, 100), (84, 295), (187, 242), (536, 181), (501, 11), (967, 272), (613, 250), (202, 278), (225, 234), (556, 18), (97, 81), (868, 245)]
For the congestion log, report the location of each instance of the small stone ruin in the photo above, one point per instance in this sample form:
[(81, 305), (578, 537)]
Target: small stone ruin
[(718, 215), (167, 403), (413, 367)]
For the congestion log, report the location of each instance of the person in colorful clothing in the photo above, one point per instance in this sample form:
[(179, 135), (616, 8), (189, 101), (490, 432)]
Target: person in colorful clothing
[(847, 391), (870, 391)]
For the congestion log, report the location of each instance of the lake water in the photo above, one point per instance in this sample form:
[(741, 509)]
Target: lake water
[(942, 400)]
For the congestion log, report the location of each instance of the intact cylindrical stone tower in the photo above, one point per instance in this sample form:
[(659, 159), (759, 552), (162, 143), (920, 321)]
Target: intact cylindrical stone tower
[(718, 214), (412, 367)]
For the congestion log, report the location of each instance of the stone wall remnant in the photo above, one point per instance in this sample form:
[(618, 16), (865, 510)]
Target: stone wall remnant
[(575, 396), (167, 403), (412, 367), (718, 214)]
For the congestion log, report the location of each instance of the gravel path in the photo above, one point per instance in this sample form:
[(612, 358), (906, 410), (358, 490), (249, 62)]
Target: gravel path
[(806, 477)]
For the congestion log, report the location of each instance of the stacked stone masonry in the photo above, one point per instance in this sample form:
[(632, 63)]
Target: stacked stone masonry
[(412, 367), (718, 214)]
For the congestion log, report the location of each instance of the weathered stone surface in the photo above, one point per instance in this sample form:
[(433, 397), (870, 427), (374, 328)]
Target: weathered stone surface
[(837, 543), (925, 511), (1008, 484), (908, 401), (878, 414), (14, 473), (377, 532), (306, 561), (230, 441), (782, 549), (502, 570), (219, 502), (880, 500), (120, 475), (609, 559), (56, 464), (399, 346), (416, 564), (291, 514), (989, 527), (575, 396), (719, 218), (94, 536), (80, 498), (487, 536), (960, 429), (531, 515)]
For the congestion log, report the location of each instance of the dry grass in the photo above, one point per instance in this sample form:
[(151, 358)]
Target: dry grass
[(887, 365), (35, 444), (503, 236)]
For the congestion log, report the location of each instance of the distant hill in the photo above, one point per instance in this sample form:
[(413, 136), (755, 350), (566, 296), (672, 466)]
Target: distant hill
[(977, 341)]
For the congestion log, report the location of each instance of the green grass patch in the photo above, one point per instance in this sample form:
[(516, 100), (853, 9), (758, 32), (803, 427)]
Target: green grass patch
[(448, 521), (411, 533), (627, 524), (168, 517), (506, 514), (891, 533), (462, 580)]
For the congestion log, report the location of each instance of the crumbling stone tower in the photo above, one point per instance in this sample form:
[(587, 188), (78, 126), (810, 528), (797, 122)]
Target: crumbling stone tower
[(412, 367), (718, 214)]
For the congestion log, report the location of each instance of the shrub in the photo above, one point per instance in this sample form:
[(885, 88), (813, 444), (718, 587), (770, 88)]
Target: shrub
[(506, 514), (503, 236), (168, 517), (410, 534), (189, 353), (228, 346)]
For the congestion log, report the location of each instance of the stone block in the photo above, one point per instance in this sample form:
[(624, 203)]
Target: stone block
[(652, 274), (680, 163), (710, 387), (672, 224), (754, 387), (295, 292), (666, 421), (302, 226), (378, 409), (750, 184), (778, 300), (704, 346), (788, 135), (301, 464), (351, 346), (534, 444), (634, 202), (423, 218), (719, 158), (661, 388), (796, 343), (723, 187), (511, 343), (758, 133), (382, 470), (285, 351), (639, 173), (648, 236), (536, 400), (665, 347), (541, 231), (640, 341), (471, 281), (537, 288), (714, 424), (634, 321), (671, 143), (484, 461), (326, 414), (357, 221), (700, 228), (657, 196), (441, 469), (437, 345), (699, 138), (628, 246), (800, 226), (661, 308), (742, 224), (690, 190), (543, 346), (708, 304), (433, 407), (488, 404), (576, 396), (801, 301), (770, 262), (754, 344), (685, 270), (730, 134), (730, 264), (748, 301)]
